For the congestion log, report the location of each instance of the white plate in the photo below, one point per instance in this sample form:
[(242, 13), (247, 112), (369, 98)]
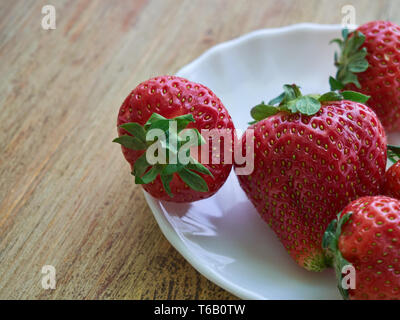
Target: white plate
[(223, 237)]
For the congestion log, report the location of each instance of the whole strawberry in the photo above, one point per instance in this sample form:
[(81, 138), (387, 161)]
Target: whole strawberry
[(160, 103), (369, 63), (312, 156), (391, 182), (366, 235)]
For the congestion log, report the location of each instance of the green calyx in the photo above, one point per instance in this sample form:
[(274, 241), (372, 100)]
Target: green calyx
[(292, 101), (163, 137), (330, 243), (393, 153), (350, 61)]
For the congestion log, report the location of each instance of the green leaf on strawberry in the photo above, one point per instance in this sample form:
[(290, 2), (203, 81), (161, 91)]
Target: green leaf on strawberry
[(350, 61), (136, 130), (330, 243), (140, 167), (304, 105), (335, 84), (130, 142), (276, 100), (393, 153), (292, 101), (355, 96), (193, 180), (262, 111), (331, 96), (145, 172)]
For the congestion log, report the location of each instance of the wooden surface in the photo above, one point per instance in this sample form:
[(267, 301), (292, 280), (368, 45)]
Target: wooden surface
[(66, 196)]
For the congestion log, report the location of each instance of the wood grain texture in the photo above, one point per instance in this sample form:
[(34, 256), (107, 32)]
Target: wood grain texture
[(66, 195)]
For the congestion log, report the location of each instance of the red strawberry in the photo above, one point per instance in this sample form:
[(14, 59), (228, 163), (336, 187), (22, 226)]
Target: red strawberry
[(370, 63), (392, 176), (154, 104), (312, 156), (367, 236), (392, 181)]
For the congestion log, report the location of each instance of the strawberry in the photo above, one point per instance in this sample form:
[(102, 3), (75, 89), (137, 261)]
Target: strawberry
[(312, 155), (366, 235), (157, 104), (369, 63), (391, 182)]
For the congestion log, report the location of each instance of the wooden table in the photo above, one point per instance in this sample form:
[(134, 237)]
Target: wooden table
[(66, 196)]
